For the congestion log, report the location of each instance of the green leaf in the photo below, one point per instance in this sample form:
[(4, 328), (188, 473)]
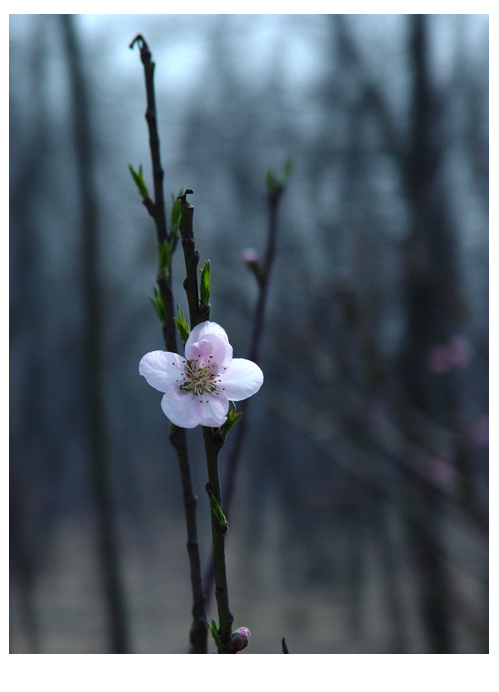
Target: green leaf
[(158, 305), (288, 170), (271, 181), (204, 284), (232, 418), (182, 326), (175, 215), (275, 184), (138, 179), (223, 524), (212, 626), (165, 251)]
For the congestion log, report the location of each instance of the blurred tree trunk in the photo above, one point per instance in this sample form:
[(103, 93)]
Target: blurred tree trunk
[(31, 456), (432, 306), (93, 340)]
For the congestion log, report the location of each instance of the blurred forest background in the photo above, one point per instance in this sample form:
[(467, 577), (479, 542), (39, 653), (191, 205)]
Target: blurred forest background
[(360, 521)]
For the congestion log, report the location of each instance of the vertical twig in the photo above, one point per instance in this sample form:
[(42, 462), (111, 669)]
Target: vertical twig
[(178, 436), (274, 196), (212, 443), (93, 373), (225, 617), (191, 258)]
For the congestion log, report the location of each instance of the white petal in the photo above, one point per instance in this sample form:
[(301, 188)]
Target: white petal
[(176, 406), (211, 351), (242, 379), (161, 369), (216, 337), (210, 409)]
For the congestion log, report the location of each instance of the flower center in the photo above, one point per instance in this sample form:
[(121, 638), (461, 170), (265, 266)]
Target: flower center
[(198, 377)]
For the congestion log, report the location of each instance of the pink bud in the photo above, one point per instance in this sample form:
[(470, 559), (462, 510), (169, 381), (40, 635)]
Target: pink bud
[(240, 639), (251, 259), (249, 255)]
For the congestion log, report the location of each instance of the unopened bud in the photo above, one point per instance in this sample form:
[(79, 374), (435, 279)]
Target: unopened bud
[(251, 259), (240, 639)]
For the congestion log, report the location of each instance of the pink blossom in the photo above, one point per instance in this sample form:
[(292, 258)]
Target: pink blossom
[(198, 387)]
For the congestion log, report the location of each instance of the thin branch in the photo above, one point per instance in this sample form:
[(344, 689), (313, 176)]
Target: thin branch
[(225, 617), (191, 258), (178, 436), (274, 196), (212, 443)]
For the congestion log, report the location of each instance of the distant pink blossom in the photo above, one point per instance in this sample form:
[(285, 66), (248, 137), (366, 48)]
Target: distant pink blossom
[(459, 352), (438, 361), (480, 431), (442, 470)]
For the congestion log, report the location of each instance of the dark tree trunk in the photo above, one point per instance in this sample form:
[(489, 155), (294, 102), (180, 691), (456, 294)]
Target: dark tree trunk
[(93, 339)]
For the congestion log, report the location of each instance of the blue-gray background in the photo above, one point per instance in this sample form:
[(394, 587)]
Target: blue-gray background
[(360, 523)]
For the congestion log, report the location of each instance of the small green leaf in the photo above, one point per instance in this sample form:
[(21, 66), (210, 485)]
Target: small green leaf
[(175, 215), (182, 326), (138, 179), (288, 170), (271, 181), (232, 418), (276, 185), (158, 305), (204, 284), (212, 626), (223, 525), (165, 251)]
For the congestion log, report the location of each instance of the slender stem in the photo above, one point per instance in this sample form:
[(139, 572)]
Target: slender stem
[(258, 324), (158, 209), (225, 617), (199, 629), (274, 198), (191, 258), (152, 122), (178, 436), (212, 443)]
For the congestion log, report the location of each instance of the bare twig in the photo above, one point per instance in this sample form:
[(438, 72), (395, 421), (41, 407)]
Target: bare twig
[(213, 443), (275, 193), (178, 436)]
